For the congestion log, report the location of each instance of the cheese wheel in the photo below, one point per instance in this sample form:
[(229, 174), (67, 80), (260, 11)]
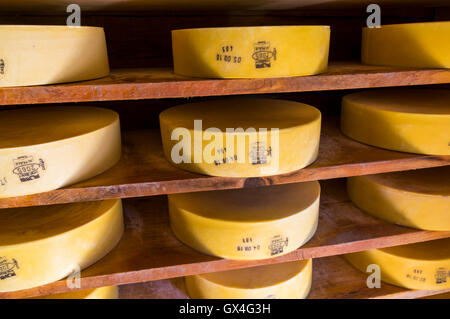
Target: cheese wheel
[(40, 245), (423, 266), (251, 52), (241, 137), (252, 223), (291, 280), (422, 45), (45, 148), (418, 199), (111, 292), (37, 55), (406, 120)]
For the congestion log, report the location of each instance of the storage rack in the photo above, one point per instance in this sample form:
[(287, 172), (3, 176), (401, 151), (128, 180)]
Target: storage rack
[(149, 261)]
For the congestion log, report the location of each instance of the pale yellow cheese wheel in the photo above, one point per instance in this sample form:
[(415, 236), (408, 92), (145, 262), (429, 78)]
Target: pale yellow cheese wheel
[(406, 120), (38, 55), (45, 148), (421, 45), (419, 199), (252, 223), (293, 145), (40, 245), (291, 280), (251, 52), (423, 266), (111, 292)]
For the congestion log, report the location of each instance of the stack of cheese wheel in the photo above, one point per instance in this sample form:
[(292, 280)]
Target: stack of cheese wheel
[(40, 245), (422, 45), (37, 55), (423, 266), (111, 292), (241, 137), (406, 120), (251, 52), (290, 280), (419, 199), (45, 148)]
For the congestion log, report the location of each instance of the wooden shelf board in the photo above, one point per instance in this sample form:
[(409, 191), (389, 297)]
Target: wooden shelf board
[(143, 170), (133, 84), (148, 250), (333, 278)]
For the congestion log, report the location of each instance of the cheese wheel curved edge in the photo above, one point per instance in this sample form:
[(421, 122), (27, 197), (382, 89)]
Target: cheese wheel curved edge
[(247, 224), (421, 45), (418, 199), (39, 55), (111, 292), (55, 241), (291, 280), (251, 52), (46, 148), (421, 266)]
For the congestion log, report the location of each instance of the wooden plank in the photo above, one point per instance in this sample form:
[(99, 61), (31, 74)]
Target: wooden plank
[(143, 170), (134, 84), (333, 278), (149, 251)]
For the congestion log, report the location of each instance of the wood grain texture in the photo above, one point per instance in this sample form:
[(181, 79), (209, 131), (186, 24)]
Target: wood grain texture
[(143, 170), (134, 84), (333, 278), (149, 251)]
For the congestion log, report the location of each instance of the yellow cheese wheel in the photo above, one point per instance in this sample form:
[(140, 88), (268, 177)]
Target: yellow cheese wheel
[(111, 292), (45, 148), (37, 55), (422, 45), (252, 223), (241, 137), (406, 120), (290, 280), (40, 245), (423, 266), (251, 52), (419, 199)]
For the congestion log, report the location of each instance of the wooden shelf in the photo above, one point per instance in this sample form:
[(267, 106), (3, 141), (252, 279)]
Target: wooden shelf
[(148, 251), (143, 170), (333, 278), (133, 84)]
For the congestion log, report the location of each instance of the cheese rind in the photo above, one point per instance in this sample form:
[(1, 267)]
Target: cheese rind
[(421, 45), (251, 52), (45, 148), (111, 292), (406, 120), (39, 55), (419, 199), (289, 142), (291, 280), (247, 224), (422, 266), (40, 245)]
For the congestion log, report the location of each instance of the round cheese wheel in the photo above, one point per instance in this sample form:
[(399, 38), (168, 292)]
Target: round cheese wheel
[(423, 266), (40, 245), (291, 280), (422, 45), (407, 120), (111, 292), (241, 137), (45, 148), (37, 55), (251, 52), (252, 223), (418, 199)]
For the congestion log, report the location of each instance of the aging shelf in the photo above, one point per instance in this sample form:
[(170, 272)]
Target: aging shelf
[(149, 251), (134, 84)]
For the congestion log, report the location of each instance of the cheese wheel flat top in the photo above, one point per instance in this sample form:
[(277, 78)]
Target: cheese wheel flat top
[(111, 292), (49, 28), (244, 112), (40, 125), (435, 250), (250, 205)]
